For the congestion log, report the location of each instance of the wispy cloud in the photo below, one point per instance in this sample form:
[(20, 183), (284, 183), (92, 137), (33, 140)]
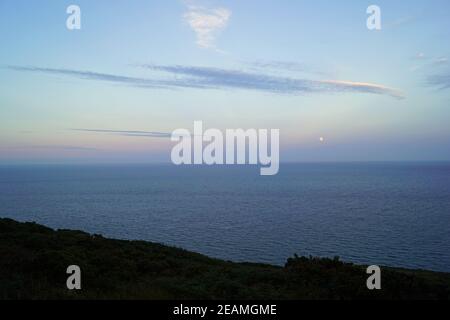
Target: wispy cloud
[(434, 60), (440, 81), (217, 78), (428, 63), (151, 134), (52, 147), (420, 56), (286, 66), (438, 75), (351, 86), (89, 75), (206, 77), (401, 22), (440, 61), (207, 23)]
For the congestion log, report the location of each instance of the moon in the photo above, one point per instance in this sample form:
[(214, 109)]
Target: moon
[(321, 139)]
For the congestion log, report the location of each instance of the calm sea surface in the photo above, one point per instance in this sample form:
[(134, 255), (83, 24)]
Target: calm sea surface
[(384, 213)]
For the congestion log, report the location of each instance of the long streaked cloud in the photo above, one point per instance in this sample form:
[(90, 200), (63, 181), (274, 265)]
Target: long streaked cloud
[(217, 78), (234, 79), (206, 23), (133, 133)]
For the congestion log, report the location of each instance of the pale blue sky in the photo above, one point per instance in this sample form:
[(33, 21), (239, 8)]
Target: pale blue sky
[(309, 68)]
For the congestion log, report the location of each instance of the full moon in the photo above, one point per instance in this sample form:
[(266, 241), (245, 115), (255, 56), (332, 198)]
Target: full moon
[(321, 139)]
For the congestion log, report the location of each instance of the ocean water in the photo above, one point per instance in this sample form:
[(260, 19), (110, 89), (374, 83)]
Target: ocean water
[(395, 214)]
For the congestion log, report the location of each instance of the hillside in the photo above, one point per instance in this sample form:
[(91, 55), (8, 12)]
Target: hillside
[(34, 258)]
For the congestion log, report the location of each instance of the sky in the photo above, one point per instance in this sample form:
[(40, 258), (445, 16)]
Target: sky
[(137, 70)]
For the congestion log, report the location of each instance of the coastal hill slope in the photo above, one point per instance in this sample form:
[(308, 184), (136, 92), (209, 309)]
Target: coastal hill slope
[(34, 259)]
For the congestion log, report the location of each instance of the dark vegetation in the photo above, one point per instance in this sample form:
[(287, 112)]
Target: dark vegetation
[(34, 259)]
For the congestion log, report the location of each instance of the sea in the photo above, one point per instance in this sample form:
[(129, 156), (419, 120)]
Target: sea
[(387, 214)]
